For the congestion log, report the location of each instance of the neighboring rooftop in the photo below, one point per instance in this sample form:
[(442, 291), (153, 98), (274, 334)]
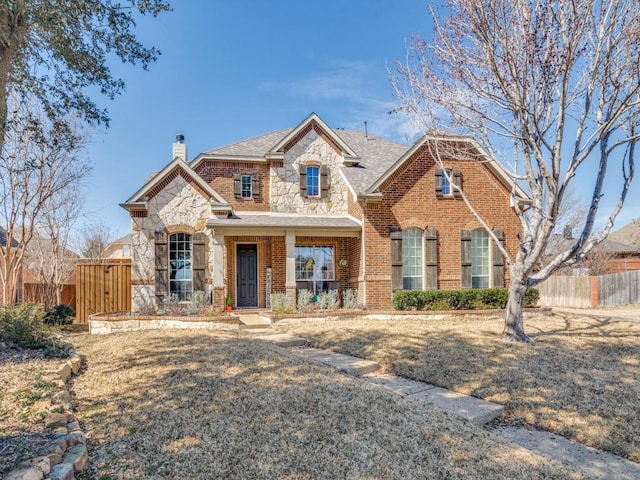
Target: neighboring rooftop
[(3, 238), (629, 234)]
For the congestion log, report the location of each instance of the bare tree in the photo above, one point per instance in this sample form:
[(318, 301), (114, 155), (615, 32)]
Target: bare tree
[(551, 90), (92, 239), (39, 162), (600, 260), (48, 256)]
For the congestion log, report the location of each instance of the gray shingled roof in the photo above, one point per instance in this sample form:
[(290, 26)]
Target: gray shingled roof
[(252, 147), (3, 239), (376, 154), (275, 220)]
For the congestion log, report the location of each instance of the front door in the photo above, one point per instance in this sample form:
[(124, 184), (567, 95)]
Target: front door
[(247, 286)]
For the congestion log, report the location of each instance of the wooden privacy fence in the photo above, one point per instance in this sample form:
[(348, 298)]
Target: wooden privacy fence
[(102, 286), (590, 292)]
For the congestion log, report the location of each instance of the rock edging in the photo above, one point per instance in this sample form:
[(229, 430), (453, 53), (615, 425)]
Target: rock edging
[(67, 452)]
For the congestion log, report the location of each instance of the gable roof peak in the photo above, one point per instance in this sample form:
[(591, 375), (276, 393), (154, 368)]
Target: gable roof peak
[(313, 120)]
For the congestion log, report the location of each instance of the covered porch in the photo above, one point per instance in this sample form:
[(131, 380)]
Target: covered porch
[(257, 255)]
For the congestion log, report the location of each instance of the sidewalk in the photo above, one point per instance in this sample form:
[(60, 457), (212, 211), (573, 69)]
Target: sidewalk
[(629, 313), (595, 464)]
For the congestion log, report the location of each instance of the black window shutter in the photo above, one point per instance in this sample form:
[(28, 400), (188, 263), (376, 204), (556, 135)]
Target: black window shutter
[(396, 261), (255, 185), (455, 179), (498, 260), (237, 185), (465, 258), (161, 266), (199, 261), (303, 180), (438, 178), (431, 258)]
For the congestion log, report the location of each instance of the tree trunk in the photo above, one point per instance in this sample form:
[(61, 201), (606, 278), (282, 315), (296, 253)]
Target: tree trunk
[(513, 324)]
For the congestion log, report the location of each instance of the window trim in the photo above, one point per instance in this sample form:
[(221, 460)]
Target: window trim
[(486, 258), (316, 169), (409, 242), (186, 294), (249, 183)]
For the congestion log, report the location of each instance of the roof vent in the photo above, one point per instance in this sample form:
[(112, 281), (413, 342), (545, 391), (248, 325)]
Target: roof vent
[(366, 134)]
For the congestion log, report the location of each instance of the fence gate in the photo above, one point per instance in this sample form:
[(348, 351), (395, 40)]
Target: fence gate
[(102, 286)]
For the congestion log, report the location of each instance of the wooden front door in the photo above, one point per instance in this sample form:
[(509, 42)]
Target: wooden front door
[(247, 284)]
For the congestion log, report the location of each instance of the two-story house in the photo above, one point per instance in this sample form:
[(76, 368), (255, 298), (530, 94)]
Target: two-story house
[(319, 208)]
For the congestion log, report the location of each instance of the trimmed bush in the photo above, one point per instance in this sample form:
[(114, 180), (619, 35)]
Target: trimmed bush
[(468, 299), (23, 326), (62, 314)]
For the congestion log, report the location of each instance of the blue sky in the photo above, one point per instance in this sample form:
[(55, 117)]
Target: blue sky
[(233, 69)]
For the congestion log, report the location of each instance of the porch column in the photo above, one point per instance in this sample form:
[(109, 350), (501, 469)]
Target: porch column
[(290, 282), (218, 270)]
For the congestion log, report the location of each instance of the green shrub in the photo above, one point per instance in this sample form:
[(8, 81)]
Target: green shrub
[(467, 299), (62, 314), (531, 297), (350, 299), (23, 326)]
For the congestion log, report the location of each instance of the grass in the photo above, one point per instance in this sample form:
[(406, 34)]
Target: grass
[(204, 404), (25, 400), (581, 379)]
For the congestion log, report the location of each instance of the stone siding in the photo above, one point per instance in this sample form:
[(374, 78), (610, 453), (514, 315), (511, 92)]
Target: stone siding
[(179, 207), (285, 187)]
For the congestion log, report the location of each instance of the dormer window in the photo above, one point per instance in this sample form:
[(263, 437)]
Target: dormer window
[(314, 181), (246, 186), (447, 182)]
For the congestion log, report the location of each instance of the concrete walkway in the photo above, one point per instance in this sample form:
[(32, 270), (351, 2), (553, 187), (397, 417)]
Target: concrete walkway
[(631, 314), (595, 464)]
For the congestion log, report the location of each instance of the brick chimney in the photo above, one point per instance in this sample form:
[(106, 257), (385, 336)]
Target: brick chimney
[(179, 148)]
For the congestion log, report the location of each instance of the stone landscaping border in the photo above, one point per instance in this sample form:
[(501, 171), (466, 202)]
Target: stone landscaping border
[(67, 452), (105, 323)]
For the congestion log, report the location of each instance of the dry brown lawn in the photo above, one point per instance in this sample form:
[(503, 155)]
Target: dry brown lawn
[(203, 405), (25, 399), (581, 379)]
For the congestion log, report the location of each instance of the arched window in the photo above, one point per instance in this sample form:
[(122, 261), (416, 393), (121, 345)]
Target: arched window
[(180, 265), (480, 259), (412, 259), (313, 181)]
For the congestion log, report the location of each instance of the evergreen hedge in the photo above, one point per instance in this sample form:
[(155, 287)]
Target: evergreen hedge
[(467, 299)]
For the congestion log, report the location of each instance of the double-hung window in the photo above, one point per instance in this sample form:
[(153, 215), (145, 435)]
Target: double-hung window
[(313, 181), (412, 259), (479, 259), (446, 186), (245, 186)]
